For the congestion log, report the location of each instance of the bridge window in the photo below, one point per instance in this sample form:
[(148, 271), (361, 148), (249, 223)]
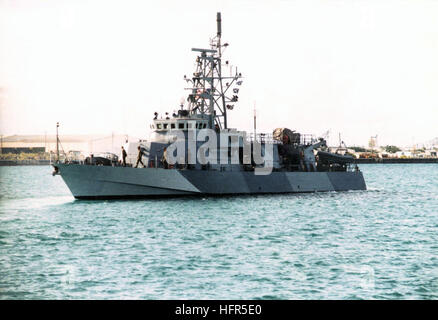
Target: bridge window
[(181, 125), (172, 126), (159, 126), (165, 125)]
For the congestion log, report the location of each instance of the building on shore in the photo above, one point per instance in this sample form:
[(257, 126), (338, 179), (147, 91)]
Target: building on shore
[(47, 143), (381, 153)]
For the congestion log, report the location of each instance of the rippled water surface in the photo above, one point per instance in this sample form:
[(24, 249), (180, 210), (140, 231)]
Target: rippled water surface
[(375, 244)]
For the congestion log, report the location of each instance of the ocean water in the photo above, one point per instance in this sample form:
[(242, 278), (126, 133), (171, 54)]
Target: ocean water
[(376, 244)]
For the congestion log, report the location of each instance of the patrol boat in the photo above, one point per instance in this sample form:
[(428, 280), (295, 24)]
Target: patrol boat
[(211, 158)]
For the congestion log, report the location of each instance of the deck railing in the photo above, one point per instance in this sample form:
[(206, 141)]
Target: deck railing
[(305, 139)]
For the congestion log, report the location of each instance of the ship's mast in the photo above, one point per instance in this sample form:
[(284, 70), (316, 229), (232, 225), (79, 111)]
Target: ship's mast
[(218, 35), (209, 95)]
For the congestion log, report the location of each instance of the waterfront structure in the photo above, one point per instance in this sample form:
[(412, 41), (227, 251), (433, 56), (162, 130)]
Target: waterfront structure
[(47, 143)]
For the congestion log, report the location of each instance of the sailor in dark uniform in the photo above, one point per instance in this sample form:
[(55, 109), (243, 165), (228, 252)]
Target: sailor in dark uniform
[(124, 155), (139, 156), (164, 159)]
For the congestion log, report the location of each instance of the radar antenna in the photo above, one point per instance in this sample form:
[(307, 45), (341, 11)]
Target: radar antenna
[(209, 95)]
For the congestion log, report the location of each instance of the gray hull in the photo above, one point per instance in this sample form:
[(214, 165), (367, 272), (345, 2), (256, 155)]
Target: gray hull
[(104, 182)]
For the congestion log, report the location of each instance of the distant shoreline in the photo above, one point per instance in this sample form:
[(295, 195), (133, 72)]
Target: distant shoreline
[(12, 163), (397, 160)]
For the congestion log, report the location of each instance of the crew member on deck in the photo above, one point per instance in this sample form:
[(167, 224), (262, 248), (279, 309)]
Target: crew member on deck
[(140, 154), (164, 159), (124, 155)]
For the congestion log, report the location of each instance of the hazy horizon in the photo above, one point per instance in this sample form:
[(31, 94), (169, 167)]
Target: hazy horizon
[(360, 68)]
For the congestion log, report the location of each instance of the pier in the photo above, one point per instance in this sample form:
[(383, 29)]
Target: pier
[(396, 160)]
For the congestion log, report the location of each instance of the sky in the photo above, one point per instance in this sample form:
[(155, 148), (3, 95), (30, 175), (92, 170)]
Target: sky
[(359, 68)]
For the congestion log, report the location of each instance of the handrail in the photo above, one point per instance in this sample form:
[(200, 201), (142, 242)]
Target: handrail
[(305, 139)]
